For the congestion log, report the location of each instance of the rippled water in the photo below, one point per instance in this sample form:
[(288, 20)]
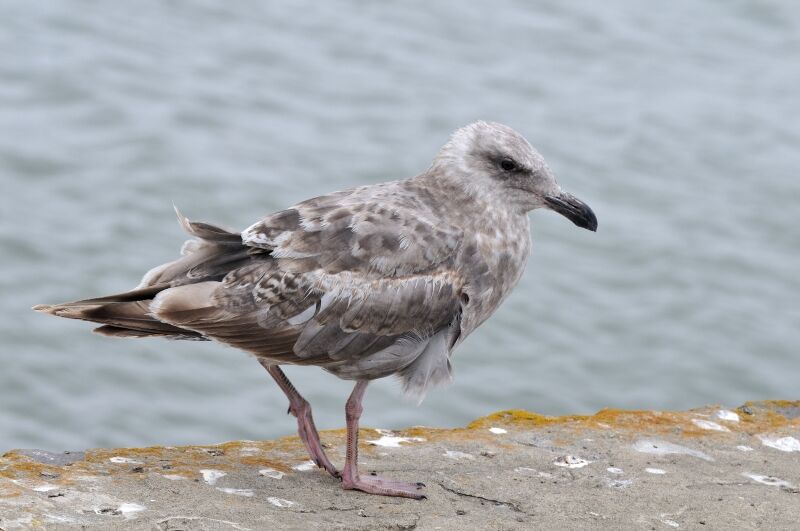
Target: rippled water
[(679, 125)]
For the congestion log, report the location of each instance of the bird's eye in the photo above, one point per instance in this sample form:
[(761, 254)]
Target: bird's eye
[(508, 165)]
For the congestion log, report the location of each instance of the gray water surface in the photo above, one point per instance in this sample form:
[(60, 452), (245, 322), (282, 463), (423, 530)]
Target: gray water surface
[(678, 123)]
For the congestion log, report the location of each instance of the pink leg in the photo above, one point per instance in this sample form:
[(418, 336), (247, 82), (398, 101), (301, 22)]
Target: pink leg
[(369, 484), (300, 408)]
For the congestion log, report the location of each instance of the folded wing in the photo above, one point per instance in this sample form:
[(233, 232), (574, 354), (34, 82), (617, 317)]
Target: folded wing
[(362, 287)]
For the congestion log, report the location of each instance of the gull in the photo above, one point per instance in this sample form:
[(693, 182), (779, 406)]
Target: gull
[(378, 280)]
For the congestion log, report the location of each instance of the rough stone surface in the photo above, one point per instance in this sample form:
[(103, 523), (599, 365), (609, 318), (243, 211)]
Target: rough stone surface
[(699, 469)]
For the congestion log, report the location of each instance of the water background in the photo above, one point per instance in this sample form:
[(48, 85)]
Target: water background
[(679, 123)]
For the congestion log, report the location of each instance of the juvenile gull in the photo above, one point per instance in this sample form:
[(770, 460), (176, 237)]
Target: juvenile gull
[(379, 280)]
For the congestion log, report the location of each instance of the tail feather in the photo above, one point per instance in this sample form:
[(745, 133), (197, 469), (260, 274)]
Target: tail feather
[(131, 315), (116, 331), (208, 232), (213, 253), (127, 296)]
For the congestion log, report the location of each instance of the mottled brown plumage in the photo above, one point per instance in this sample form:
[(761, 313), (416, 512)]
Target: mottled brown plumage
[(374, 281)]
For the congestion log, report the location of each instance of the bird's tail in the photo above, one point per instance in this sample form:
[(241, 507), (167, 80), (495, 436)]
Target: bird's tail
[(209, 256), (122, 315)]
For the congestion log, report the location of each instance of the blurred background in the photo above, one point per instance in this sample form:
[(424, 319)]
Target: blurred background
[(680, 125)]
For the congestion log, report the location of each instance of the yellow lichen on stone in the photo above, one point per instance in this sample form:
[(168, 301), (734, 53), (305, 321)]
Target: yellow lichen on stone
[(20, 466), (776, 403), (762, 417), (188, 460), (518, 416), (263, 462)]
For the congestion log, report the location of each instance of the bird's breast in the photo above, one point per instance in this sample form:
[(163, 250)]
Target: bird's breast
[(492, 259)]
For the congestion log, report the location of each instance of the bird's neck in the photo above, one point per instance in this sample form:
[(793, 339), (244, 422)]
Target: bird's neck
[(484, 214), (471, 202)]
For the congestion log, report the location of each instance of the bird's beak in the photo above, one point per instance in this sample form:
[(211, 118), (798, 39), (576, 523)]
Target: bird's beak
[(573, 209)]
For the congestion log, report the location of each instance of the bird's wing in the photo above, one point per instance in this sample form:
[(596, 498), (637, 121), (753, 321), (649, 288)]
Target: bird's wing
[(377, 229), (343, 281)]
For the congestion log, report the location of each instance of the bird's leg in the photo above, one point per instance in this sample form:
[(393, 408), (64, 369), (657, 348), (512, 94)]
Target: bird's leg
[(300, 408), (350, 477)]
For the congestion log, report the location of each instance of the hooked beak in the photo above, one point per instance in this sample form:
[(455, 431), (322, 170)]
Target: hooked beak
[(573, 209)]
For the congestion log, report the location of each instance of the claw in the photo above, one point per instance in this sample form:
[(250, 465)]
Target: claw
[(388, 487)]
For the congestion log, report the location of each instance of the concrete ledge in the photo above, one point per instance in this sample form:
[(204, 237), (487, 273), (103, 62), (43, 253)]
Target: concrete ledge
[(707, 468)]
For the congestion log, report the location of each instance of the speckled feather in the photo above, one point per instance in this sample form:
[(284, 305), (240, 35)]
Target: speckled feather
[(368, 282)]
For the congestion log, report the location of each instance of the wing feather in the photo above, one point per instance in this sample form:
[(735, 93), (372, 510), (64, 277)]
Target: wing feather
[(356, 283)]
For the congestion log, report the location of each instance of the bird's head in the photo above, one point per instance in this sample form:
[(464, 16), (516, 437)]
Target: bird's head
[(492, 158)]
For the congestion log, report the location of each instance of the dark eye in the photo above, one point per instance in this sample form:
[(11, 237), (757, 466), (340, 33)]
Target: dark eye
[(508, 165)]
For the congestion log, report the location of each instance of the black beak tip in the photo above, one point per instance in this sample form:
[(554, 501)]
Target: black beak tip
[(590, 222), (574, 209)]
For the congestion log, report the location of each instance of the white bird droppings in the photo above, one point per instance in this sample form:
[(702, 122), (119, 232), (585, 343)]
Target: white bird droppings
[(663, 448), (455, 454), (129, 509), (570, 461), (271, 473), (708, 425), (727, 414), (767, 480), (671, 523), (614, 470), (657, 471), (47, 487), (211, 476), (173, 477), (238, 492), (127, 460), (784, 444), (308, 465), (280, 502), (392, 441), (743, 448), (498, 431)]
